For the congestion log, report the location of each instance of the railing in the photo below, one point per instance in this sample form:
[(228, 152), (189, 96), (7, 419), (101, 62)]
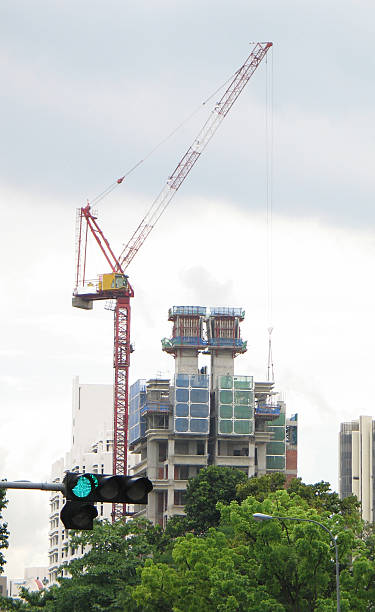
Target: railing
[(227, 342), (183, 341), (223, 311), (88, 287), (267, 410), (154, 407), (187, 310)]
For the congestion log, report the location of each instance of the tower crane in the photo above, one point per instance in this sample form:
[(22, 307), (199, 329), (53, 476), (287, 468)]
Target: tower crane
[(115, 285)]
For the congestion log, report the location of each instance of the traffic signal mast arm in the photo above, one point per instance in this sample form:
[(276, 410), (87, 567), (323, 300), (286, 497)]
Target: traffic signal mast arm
[(26, 484), (175, 181)]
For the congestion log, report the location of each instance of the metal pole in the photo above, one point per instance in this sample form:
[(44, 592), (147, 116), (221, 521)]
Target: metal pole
[(266, 517), (337, 575), (26, 484)]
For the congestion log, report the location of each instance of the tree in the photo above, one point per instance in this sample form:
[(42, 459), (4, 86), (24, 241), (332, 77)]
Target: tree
[(103, 578), (4, 533), (260, 487), (276, 565), (296, 559), (320, 497), (212, 484), (207, 574), (237, 565)]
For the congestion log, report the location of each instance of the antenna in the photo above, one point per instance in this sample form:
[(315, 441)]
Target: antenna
[(270, 360)]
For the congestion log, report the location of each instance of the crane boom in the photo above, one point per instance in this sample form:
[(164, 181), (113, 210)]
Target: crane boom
[(192, 155)]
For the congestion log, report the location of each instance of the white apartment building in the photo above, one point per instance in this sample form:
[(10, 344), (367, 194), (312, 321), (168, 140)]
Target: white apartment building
[(91, 451), (356, 463)]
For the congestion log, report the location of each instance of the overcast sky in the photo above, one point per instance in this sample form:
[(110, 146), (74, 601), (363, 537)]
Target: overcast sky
[(88, 89)]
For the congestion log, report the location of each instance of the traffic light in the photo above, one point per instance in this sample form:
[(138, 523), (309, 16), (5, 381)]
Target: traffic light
[(106, 488), (78, 515)]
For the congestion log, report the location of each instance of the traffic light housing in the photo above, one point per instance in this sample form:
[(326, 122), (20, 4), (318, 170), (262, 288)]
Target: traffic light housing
[(78, 515), (106, 488)]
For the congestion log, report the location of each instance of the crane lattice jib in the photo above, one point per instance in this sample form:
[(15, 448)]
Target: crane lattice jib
[(175, 181)]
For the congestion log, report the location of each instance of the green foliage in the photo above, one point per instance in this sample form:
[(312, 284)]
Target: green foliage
[(213, 484), (260, 487), (320, 497), (219, 559), (275, 565), (4, 533), (208, 574), (104, 577)]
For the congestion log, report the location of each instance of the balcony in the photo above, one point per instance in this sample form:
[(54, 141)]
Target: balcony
[(157, 407), (170, 344), (189, 459), (263, 436), (139, 467), (234, 460), (267, 412), (238, 344)]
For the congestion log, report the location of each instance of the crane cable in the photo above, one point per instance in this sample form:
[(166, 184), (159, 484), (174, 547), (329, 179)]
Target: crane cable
[(269, 127), (118, 182)]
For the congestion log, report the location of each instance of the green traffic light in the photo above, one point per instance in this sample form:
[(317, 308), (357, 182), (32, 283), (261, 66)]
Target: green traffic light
[(111, 488), (85, 485)]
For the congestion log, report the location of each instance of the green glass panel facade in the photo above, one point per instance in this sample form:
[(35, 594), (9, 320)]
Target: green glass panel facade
[(243, 427), (243, 382), (243, 397), (236, 405), (275, 463), (278, 433), (225, 427), (226, 397), (276, 448), (279, 421), (242, 412), (226, 382), (226, 412)]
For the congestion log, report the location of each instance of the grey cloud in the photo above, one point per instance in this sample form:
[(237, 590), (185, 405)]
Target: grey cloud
[(204, 287)]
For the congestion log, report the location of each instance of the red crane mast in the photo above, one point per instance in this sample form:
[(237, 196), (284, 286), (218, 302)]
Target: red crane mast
[(115, 285)]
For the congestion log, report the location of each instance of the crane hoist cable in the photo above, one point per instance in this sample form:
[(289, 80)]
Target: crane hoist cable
[(118, 182)]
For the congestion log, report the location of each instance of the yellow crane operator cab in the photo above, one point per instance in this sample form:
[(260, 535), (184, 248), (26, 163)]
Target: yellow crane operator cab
[(113, 282)]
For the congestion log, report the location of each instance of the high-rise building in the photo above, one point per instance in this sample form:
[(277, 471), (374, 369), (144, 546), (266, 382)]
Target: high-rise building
[(356, 461), (201, 418), (91, 451)]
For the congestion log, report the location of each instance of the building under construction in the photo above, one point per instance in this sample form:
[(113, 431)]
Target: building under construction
[(203, 418)]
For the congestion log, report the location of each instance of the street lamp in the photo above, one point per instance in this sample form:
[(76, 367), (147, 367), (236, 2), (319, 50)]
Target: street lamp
[(258, 516)]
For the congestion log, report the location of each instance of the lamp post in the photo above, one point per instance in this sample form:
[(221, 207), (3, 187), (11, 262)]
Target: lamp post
[(258, 516)]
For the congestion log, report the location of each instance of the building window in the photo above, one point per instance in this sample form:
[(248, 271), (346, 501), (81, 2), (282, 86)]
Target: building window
[(163, 451), (200, 447), (181, 447), (181, 472), (179, 498)]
